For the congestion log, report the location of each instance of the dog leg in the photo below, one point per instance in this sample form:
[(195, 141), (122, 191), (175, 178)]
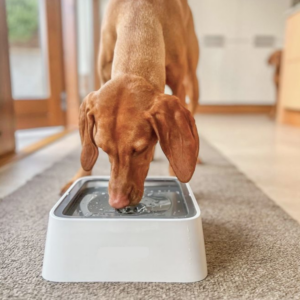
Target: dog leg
[(106, 55), (171, 172), (175, 82), (191, 81), (192, 90), (80, 173), (153, 154)]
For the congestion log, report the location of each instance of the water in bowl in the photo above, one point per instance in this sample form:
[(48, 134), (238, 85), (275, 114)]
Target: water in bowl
[(159, 200)]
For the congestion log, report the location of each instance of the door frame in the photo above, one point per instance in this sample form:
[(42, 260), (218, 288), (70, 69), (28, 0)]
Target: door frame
[(7, 130), (61, 107), (30, 113)]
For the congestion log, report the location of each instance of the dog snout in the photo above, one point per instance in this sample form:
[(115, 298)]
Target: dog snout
[(118, 201), (120, 198)]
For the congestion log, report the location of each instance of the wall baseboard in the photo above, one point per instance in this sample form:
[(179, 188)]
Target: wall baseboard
[(13, 156), (234, 109), (290, 117)]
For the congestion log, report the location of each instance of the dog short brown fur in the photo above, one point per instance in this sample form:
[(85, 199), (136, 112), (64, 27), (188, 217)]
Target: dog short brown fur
[(145, 44)]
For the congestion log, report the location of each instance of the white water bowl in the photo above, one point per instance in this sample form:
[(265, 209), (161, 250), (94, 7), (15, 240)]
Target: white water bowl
[(161, 240)]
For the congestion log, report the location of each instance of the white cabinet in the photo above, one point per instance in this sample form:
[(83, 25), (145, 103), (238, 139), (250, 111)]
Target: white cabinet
[(262, 17), (217, 75), (215, 16), (237, 71), (254, 78)]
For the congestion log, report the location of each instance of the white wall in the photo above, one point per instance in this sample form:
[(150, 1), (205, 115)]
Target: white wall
[(237, 72), (85, 54)]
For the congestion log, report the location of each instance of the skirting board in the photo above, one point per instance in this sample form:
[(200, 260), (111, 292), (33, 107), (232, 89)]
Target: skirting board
[(234, 109), (290, 117), (14, 156)]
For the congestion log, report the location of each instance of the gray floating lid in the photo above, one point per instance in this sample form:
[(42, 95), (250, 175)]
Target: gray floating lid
[(163, 199)]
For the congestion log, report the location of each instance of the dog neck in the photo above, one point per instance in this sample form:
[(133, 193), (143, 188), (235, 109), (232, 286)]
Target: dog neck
[(140, 49)]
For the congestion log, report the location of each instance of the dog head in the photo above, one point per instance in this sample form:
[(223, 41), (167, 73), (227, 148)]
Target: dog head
[(126, 118)]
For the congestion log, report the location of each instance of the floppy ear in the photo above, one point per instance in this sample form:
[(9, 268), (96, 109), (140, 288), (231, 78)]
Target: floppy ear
[(89, 153), (176, 130)]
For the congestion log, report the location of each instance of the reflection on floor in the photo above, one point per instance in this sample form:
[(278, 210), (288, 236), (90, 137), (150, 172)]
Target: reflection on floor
[(27, 137), (15, 174), (265, 152), (269, 154)]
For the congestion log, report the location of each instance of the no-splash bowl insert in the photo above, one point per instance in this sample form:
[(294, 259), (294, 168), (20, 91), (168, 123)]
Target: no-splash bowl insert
[(160, 240)]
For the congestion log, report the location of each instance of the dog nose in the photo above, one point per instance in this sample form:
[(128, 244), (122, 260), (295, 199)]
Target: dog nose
[(118, 201)]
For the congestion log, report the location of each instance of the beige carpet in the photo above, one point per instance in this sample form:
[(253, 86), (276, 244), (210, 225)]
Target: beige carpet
[(253, 247)]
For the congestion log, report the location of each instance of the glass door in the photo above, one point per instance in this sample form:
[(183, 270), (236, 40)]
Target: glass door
[(36, 62), (7, 139)]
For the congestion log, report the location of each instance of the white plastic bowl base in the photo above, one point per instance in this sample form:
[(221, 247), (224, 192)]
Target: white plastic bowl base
[(124, 250)]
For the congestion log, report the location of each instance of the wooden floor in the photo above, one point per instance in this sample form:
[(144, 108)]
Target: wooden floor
[(269, 154), (32, 140), (16, 173)]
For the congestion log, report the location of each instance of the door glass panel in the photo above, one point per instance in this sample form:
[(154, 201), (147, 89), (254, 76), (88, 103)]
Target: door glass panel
[(85, 46), (27, 47)]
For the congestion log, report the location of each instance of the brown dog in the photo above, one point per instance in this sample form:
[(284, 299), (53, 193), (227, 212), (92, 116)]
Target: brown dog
[(145, 44)]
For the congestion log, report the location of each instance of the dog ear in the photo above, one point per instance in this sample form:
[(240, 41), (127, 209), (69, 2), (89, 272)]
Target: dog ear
[(177, 133), (89, 153)]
